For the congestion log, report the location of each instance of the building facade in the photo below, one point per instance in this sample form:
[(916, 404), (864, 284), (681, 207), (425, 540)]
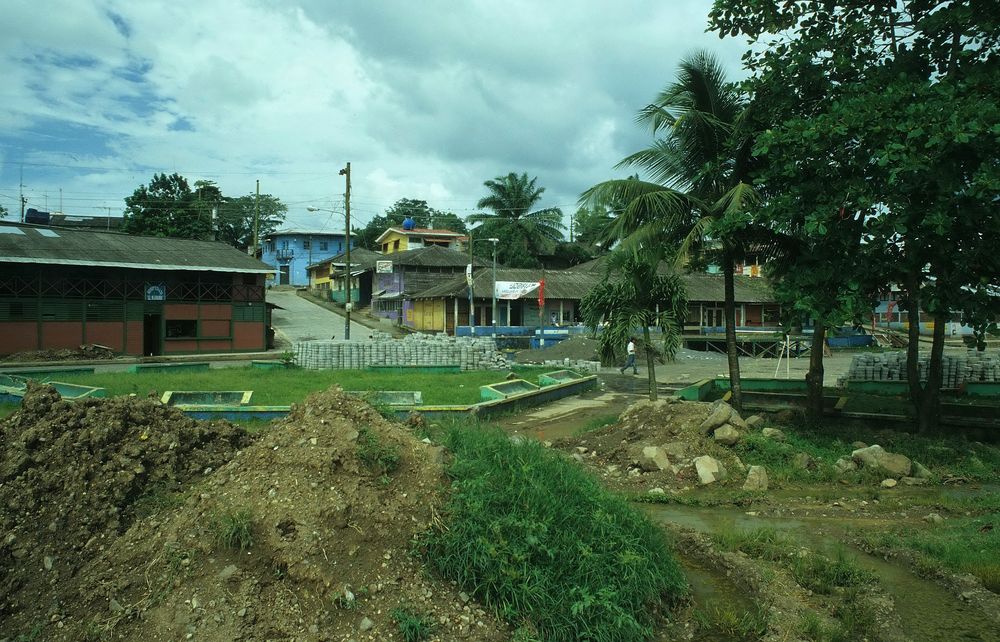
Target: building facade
[(290, 253), (401, 239), (134, 295)]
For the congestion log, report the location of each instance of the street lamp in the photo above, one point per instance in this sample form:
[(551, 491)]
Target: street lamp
[(347, 276), (494, 242)]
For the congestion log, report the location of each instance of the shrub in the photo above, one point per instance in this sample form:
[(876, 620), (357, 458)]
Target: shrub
[(377, 456), (234, 528), (414, 627), (539, 540)]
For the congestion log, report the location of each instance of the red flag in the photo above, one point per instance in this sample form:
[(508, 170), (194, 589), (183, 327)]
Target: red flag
[(541, 293)]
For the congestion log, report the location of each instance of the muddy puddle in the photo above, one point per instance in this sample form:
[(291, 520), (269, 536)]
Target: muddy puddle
[(710, 591), (927, 611)]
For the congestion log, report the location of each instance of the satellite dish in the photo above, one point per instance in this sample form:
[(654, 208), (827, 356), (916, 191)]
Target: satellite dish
[(409, 223)]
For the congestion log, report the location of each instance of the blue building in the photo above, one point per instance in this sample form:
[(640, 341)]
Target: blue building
[(290, 251)]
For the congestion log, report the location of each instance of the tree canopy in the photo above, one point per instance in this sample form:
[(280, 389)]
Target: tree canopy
[(524, 233), (423, 214), (898, 105), (169, 207)]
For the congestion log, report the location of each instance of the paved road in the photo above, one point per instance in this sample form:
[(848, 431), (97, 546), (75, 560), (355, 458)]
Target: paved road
[(301, 320)]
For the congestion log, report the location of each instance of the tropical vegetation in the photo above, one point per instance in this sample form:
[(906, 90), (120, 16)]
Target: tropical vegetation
[(524, 233)]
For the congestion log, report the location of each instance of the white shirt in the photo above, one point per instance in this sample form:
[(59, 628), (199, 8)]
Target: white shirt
[(631, 347)]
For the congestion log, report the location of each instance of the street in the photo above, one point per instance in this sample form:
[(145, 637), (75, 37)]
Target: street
[(298, 319)]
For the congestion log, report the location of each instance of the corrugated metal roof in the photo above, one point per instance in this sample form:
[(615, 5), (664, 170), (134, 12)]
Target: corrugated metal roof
[(21, 243), (360, 257), (575, 284), (431, 256)]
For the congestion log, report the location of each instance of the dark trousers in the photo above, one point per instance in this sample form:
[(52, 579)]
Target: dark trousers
[(629, 363)]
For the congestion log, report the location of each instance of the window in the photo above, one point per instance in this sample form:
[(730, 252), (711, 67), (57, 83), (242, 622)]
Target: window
[(182, 329), (284, 245), (306, 243), (322, 246), (270, 246)]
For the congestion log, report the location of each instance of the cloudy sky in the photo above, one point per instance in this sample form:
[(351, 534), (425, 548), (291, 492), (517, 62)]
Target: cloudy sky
[(427, 99)]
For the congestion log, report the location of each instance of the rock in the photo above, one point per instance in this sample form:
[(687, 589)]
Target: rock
[(933, 518), (889, 483), (754, 421), (727, 435), (578, 457), (773, 434), (47, 563), (720, 415), (653, 458), (656, 491), (227, 572), (736, 421), (756, 479), (877, 458), (845, 465), (858, 444), (709, 469), (913, 481), (115, 606), (802, 461), (675, 449), (920, 471), (366, 624)]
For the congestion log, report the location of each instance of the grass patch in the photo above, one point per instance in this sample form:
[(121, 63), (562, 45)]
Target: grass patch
[(735, 624), (378, 457), (968, 545), (763, 543), (413, 626), (233, 528), (537, 539), (827, 442), (822, 574), (286, 386), (155, 500), (596, 423), (7, 409)]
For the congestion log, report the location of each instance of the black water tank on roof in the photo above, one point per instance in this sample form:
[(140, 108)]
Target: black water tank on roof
[(31, 215)]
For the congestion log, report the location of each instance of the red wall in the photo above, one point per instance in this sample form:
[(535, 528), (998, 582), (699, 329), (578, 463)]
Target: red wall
[(175, 345), (180, 311), (61, 334), (248, 335), (215, 311), (133, 345), (18, 336), (105, 333)]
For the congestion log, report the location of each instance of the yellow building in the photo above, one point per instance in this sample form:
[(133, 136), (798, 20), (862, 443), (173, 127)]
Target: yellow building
[(399, 239)]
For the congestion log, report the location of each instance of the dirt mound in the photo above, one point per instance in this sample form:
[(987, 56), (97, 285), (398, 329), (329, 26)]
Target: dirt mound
[(575, 348), (615, 451), (83, 353), (73, 474), (327, 505)]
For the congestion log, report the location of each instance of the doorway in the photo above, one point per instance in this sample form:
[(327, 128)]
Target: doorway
[(151, 336), (282, 275), (713, 318)]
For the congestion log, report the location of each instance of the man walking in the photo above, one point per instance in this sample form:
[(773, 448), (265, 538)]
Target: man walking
[(630, 362)]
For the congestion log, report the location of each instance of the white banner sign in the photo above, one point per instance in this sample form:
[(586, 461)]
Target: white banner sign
[(514, 289), (383, 267)]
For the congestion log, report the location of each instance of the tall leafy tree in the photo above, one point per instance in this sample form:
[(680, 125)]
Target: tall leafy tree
[(235, 221), (636, 296), (697, 192), (163, 208), (913, 85), (524, 232), (423, 214)]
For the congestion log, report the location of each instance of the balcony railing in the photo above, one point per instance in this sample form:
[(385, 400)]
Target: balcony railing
[(284, 255)]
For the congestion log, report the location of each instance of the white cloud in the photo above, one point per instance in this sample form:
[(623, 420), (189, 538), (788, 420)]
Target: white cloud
[(426, 99)]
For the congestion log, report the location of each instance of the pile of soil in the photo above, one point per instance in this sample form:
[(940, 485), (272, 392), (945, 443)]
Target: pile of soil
[(574, 348), (72, 475), (613, 452), (331, 557), (85, 352)]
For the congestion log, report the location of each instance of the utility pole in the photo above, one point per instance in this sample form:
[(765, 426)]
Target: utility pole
[(472, 305), (256, 219), (346, 173), (21, 193)]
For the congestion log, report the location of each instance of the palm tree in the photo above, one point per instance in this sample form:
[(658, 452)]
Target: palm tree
[(635, 295), (696, 196), (524, 234)]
